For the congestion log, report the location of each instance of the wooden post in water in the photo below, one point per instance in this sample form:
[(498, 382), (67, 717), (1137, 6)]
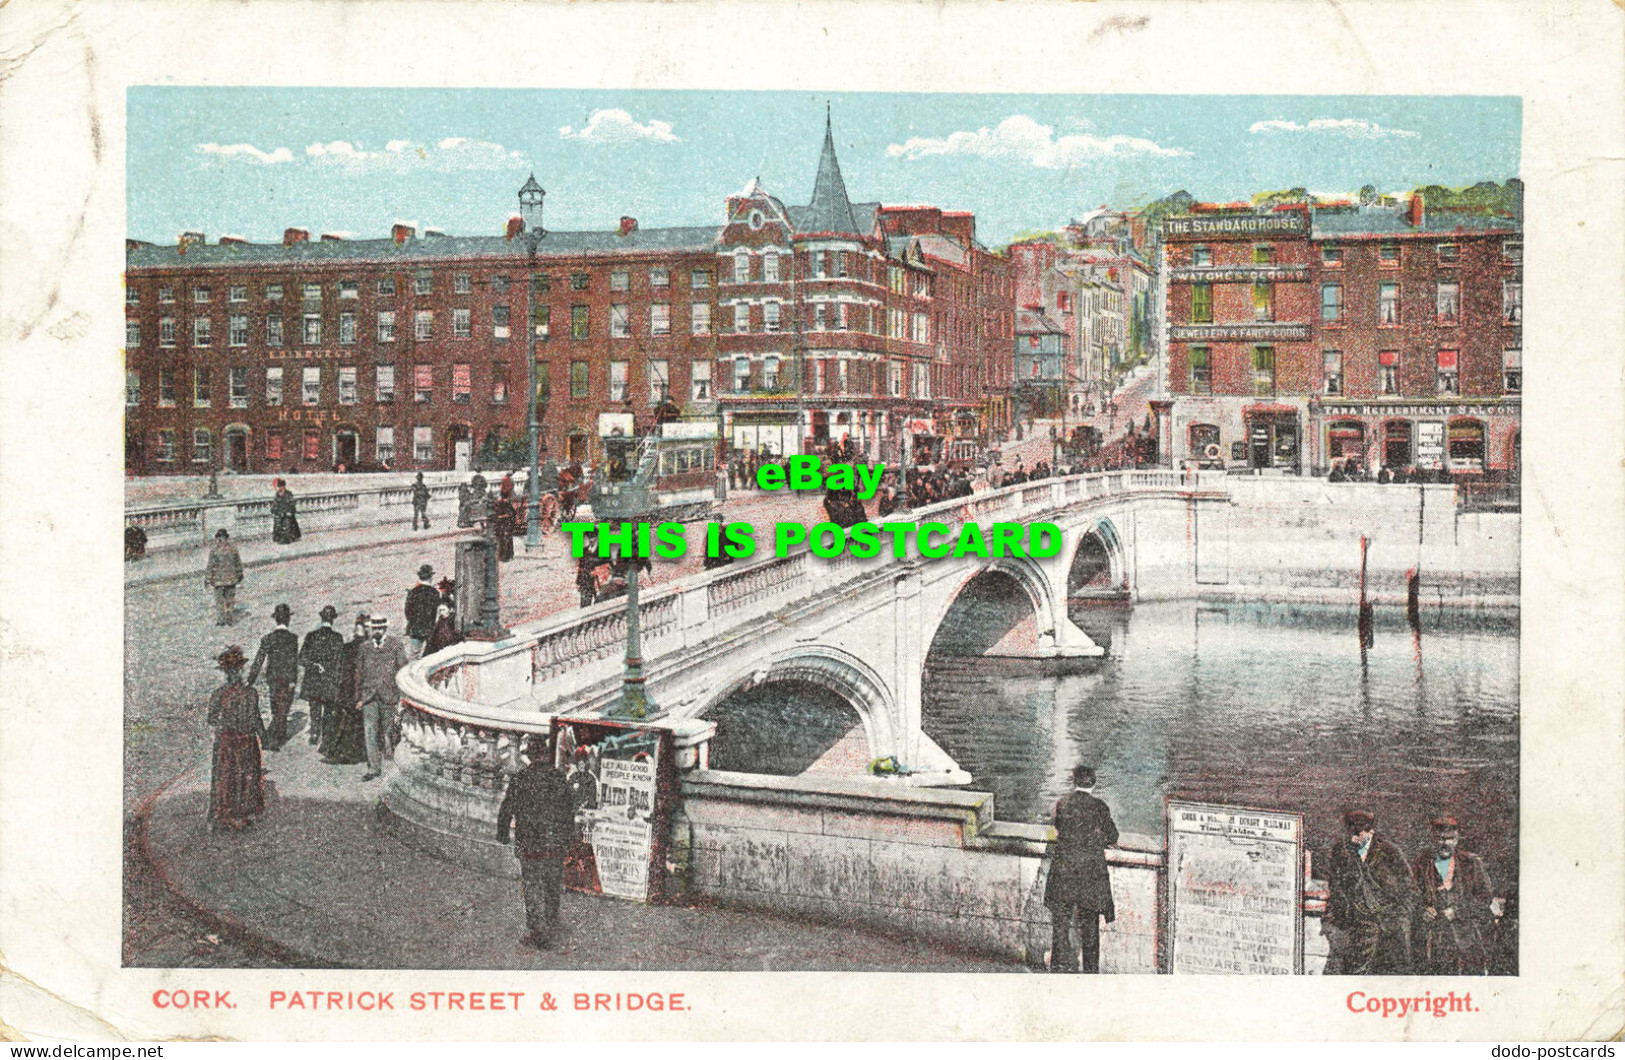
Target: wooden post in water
[(1367, 633)]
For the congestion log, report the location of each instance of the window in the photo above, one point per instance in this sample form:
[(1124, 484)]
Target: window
[(820, 316), (386, 287), (578, 281), (770, 316), (237, 387), (273, 331), (1512, 370), (313, 329), (310, 389), (1063, 302), (620, 322), (499, 322), (461, 283), (741, 374), (1263, 301), (1512, 301), (200, 388), (386, 326), (1331, 257), (499, 383), (894, 379), (423, 283), (273, 387), (273, 444), (659, 277), (1388, 372), (1388, 256), (1201, 436), (1201, 303), (699, 380), (166, 388), (660, 319), (1201, 256), (462, 384), (313, 445), (349, 391), (132, 389), (1331, 303), (1263, 370), (202, 446), (422, 383), (770, 373), (1449, 252), (896, 280), (384, 383), (273, 292), (540, 283), (462, 324), (500, 284), (1466, 444), (1448, 380), (919, 328), (166, 447), (237, 330), (1201, 370), (741, 316), (770, 267), (1511, 254), (423, 325), (384, 444), (659, 382), (742, 267), (1332, 371), (617, 381), (896, 324), (1388, 303), (346, 329), (1447, 302), (922, 380), (132, 333), (423, 444), (132, 296), (312, 292), (166, 295), (699, 279), (201, 329), (579, 320), (166, 331), (349, 289), (542, 318), (1264, 255), (237, 292), (578, 379), (200, 294), (620, 280)]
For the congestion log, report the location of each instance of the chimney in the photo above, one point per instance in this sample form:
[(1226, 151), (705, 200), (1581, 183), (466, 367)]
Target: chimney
[(332, 237), (516, 226), (1414, 214), (434, 233), (232, 241), (628, 225), (188, 239), (295, 235), (401, 233)]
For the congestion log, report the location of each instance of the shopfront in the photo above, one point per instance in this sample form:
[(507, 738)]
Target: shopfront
[(1345, 442), (1461, 437), (1272, 438)]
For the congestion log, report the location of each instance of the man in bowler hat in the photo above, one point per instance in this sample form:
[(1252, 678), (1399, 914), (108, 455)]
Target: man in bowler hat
[(322, 656), (421, 602), (538, 808), (1079, 891), (279, 658)]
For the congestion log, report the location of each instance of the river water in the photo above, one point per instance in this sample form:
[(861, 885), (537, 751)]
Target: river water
[(1263, 705)]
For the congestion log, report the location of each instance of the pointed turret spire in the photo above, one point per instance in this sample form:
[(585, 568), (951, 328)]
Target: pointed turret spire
[(830, 209)]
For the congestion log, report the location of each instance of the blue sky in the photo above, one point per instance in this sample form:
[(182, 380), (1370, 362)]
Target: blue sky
[(252, 162)]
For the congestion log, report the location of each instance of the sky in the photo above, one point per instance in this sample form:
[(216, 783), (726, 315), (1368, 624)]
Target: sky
[(254, 161)]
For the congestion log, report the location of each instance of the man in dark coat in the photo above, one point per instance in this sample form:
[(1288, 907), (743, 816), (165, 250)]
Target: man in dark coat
[(284, 517), (236, 790), (505, 519), (279, 658), (343, 743), (322, 657), (422, 600), (1457, 906), (537, 806), (420, 502), (1372, 895), (1079, 890)]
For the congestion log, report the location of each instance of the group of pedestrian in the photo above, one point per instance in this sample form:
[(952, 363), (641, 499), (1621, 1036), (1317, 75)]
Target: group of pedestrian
[(1389, 915), (600, 578), (928, 484), (1350, 469)]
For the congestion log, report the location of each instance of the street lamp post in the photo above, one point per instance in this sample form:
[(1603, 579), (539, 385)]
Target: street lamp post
[(530, 213)]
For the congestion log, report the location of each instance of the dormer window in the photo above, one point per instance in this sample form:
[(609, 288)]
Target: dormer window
[(756, 219)]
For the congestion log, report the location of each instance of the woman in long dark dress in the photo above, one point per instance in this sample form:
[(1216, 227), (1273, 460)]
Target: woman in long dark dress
[(236, 788), (284, 515), (343, 743), (445, 630), (505, 519)]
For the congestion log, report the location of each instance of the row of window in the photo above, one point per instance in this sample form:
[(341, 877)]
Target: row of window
[(310, 448), (1447, 374), (831, 265), (422, 284), (1447, 303), (1389, 255)]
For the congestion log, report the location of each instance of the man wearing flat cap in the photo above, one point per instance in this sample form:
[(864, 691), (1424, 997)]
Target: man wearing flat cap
[(537, 807), (322, 657), (1079, 891), (1372, 895), (279, 658), (1456, 907), (422, 600)]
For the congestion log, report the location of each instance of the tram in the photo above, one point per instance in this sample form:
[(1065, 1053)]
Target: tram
[(683, 484)]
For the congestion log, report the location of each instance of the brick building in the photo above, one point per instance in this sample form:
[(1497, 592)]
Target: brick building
[(795, 326)]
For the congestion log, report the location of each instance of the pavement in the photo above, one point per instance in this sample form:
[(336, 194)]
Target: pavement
[(317, 882)]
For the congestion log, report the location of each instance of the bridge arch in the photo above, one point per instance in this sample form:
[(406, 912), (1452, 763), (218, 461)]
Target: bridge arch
[(1099, 563), (1021, 571)]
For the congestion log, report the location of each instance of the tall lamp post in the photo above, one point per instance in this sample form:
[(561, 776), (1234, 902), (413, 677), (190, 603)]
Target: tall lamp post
[(530, 215)]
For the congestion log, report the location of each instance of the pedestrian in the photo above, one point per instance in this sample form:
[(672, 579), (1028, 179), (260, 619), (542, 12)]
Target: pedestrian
[(445, 631), (223, 575), (1372, 895), (343, 743), (378, 659), (505, 519), (1457, 907), (135, 543), (586, 564), (1079, 891), (279, 658), (322, 657), (236, 787), (722, 558), (537, 807), (284, 515), (448, 594), (421, 601), (420, 502)]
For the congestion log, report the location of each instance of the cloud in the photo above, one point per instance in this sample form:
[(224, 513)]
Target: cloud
[(615, 126), (1026, 140), (448, 155), (1356, 128), (247, 153)]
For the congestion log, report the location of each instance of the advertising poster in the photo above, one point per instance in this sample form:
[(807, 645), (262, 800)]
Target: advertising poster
[(1235, 890), (615, 775)]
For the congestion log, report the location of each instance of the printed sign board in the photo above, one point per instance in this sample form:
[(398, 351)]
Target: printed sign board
[(1430, 443), (1235, 890), (622, 781)]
